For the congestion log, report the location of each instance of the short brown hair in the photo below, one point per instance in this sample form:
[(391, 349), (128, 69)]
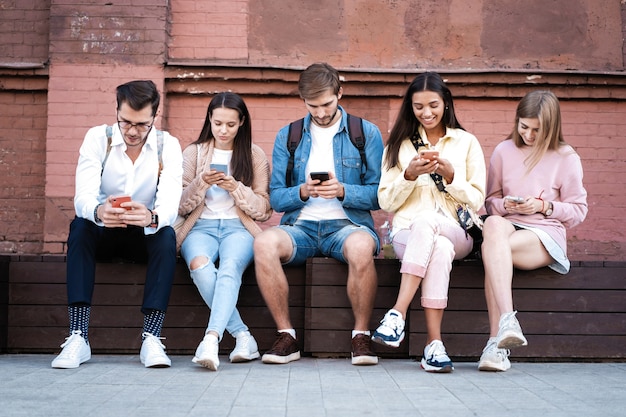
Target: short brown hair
[(317, 79)]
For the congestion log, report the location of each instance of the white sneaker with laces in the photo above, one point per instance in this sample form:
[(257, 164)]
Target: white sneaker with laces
[(75, 351), (152, 353), (246, 348), (510, 332), (436, 359), (207, 353), (493, 358)]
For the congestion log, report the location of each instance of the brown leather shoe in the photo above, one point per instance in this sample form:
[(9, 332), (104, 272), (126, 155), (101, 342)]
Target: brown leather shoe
[(361, 352), (284, 350)]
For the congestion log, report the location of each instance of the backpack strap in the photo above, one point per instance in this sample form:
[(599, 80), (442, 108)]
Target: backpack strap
[(109, 133), (355, 131), (293, 140), (159, 152)]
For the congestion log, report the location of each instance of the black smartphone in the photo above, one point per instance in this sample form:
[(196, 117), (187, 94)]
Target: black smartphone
[(322, 176)]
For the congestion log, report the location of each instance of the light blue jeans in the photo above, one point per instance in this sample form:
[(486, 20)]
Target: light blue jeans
[(231, 242)]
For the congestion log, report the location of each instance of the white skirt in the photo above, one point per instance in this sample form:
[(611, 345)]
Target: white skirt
[(561, 263)]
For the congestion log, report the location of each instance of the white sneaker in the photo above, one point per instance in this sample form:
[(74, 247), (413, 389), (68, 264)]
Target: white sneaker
[(152, 353), (207, 353), (75, 351), (436, 359), (391, 329), (246, 348), (493, 358), (510, 332)]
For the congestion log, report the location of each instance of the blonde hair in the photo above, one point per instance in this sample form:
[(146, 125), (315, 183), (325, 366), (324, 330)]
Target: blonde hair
[(544, 106)]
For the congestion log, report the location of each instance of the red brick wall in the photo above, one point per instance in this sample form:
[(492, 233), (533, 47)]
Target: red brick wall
[(24, 31), (256, 47), (22, 171)]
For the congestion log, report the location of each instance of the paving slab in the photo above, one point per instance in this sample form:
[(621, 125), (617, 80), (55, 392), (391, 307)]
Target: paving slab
[(118, 385)]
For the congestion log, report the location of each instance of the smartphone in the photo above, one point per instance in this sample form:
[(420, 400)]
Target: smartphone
[(515, 199), (220, 168), (429, 154), (322, 176), (116, 201)]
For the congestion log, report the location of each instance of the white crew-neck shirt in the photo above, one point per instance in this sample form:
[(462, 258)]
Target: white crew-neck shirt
[(322, 159), (218, 204)]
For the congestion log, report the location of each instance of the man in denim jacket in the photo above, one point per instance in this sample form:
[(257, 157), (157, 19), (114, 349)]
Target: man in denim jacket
[(328, 217)]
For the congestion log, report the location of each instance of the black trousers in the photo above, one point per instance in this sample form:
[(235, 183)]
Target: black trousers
[(88, 243)]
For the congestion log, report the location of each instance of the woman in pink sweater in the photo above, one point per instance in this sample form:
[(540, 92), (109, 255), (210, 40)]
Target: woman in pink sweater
[(534, 192), (225, 191)]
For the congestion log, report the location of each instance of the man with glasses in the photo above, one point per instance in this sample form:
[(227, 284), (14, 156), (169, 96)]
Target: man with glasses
[(128, 186)]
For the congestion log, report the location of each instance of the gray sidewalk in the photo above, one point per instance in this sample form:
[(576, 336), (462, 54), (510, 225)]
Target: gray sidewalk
[(110, 385)]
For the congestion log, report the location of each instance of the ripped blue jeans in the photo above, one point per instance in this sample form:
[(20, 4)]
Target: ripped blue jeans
[(230, 242)]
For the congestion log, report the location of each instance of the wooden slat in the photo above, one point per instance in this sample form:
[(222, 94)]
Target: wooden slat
[(544, 348), (543, 323), (339, 343)]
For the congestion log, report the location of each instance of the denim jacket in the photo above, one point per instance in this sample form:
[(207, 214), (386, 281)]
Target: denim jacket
[(360, 196)]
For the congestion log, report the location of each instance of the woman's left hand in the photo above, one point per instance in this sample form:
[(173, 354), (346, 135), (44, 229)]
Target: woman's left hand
[(445, 169), (227, 183), (531, 205)]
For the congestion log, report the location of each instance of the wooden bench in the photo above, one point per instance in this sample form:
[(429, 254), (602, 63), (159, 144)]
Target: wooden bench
[(581, 315), (37, 308)]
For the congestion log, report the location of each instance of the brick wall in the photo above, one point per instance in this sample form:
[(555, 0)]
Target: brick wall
[(81, 50), (215, 30), (22, 171), (24, 31)]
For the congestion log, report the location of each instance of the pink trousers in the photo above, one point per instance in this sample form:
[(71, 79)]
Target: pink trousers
[(427, 250)]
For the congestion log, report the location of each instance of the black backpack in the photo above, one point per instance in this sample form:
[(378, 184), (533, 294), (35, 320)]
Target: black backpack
[(355, 131)]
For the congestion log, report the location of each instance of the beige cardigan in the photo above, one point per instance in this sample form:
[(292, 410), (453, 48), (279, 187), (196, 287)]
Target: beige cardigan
[(252, 203)]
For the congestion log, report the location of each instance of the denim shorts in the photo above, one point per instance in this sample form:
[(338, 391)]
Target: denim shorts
[(322, 238)]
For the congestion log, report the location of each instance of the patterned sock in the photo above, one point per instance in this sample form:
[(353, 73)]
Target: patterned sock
[(153, 322), (79, 319)]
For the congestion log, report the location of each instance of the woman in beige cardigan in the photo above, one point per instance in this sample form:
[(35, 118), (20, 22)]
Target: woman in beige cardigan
[(225, 190)]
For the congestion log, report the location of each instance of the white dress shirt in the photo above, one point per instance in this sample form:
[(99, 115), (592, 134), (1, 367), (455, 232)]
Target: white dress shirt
[(123, 177)]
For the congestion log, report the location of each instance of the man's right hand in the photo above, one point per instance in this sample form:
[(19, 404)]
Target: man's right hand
[(110, 215)]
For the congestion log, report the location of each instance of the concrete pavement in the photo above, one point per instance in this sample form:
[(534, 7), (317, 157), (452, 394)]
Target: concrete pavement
[(111, 385)]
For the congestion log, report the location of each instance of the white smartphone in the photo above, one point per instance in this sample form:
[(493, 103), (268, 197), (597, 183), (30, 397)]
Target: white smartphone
[(515, 199)]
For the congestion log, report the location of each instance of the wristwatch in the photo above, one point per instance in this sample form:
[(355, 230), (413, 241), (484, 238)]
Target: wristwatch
[(155, 219), (549, 210), (95, 214)]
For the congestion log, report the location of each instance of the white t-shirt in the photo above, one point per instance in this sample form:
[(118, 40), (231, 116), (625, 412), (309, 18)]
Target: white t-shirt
[(322, 159), (218, 204)]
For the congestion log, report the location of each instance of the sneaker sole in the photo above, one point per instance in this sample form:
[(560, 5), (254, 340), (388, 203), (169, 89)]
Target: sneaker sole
[(493, 366), (510, 341), (381, 341), (280, 360), (244, 358), (364, 360), (207, 363), (157, 364), (436, 369), (61, 365)]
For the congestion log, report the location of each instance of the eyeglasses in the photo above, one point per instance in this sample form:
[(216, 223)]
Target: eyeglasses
[(141, 127)]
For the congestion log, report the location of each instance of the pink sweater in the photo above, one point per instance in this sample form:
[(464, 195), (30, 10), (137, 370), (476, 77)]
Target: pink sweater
[(558, 178), (252, 202)]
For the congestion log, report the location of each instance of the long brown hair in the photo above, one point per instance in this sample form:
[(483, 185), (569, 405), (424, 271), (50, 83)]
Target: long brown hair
[(544, 106), (407, 124), (241, 162)]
